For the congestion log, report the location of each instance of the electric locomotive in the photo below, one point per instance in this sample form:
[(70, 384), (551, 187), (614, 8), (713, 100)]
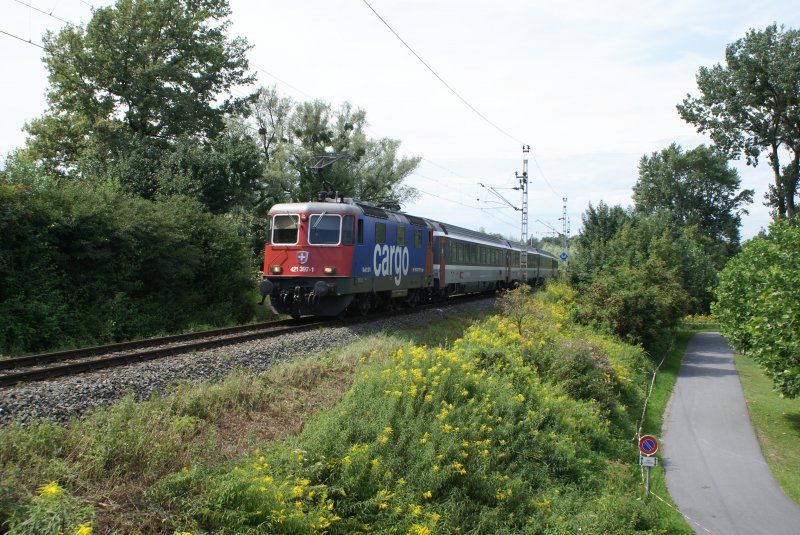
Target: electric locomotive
[(323, 258)]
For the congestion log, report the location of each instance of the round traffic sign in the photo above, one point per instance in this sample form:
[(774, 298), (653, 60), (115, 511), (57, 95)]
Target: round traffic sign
[(564, 256), (648, 445)]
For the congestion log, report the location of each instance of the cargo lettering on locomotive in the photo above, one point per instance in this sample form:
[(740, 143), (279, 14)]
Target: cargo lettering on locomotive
[(391, 260)]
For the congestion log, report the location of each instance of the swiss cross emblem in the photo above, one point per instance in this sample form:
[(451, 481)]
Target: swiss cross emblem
[(302, 256)]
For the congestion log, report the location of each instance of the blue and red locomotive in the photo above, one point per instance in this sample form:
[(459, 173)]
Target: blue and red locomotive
[(323, 258)]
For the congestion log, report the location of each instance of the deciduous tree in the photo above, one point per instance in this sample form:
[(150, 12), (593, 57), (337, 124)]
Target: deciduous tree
[(751, 106), (149, 70), (698, 188)]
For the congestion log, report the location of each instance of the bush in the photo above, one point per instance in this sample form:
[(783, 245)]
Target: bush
[(642, 305), (82, 264), (471, 438), (757, 303)]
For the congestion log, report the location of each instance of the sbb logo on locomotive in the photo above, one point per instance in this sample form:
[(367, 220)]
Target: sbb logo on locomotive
[(390, 260)]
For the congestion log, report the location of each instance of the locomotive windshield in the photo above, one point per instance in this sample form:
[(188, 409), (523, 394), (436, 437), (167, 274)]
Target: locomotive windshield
[(324, 229), (285, 229)]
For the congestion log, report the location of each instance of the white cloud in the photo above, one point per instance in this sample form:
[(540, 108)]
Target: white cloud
[(591, 86)]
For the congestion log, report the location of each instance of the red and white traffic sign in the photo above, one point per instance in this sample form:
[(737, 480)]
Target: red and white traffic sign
[(648, 444)]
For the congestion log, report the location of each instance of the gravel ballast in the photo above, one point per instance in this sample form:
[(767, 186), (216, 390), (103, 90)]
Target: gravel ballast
[(62, 398)]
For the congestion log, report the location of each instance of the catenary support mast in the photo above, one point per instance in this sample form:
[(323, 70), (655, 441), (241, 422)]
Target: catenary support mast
[(523, 183)]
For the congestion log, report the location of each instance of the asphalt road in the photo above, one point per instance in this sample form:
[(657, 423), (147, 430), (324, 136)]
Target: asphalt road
[(714, 468)]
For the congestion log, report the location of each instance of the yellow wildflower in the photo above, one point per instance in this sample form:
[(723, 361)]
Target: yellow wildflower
[(86, 529), (51, 489), (417, 529), (427, 495)]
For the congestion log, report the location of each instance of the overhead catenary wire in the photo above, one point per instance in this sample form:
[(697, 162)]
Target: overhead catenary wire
[(462, 99), (43, 12), (22, 39)]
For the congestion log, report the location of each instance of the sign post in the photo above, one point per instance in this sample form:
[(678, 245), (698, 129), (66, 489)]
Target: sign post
[(648, 446)]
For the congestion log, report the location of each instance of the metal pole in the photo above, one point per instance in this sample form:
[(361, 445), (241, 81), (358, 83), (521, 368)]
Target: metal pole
[(564, 223), (523, 182)]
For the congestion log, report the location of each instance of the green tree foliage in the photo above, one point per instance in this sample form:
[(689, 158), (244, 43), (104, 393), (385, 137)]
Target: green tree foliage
[(613, 237), (294, 138), (757, 303), (751, 106), (222, 174), (149, 69), (82, 264), (134, 100), (642, 304), (600, 225), (699, 189)]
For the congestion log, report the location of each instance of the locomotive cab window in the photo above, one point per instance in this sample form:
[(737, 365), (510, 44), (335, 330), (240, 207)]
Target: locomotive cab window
[(347, 230), (324, 229), (285, 229)]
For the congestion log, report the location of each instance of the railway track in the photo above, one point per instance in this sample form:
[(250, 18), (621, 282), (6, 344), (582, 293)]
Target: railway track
[(61, 363), (76, 361)]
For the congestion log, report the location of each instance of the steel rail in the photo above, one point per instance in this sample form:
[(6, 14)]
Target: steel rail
[(196, 342), (73, 354), (151, 354)]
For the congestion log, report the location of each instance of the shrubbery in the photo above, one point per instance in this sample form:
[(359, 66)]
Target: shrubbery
[(642, 305), (757, 303), (491, 435), (81, 264)]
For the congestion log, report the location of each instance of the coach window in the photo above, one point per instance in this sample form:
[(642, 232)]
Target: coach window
[(347, 229), (418, 239), (401, 236), (380, 232), (285, 229), (324, 229)]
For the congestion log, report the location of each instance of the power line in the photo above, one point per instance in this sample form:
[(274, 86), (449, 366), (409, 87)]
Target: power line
[(470, 106), (21, 39), (539, 167), (281, 81), (43, 12)]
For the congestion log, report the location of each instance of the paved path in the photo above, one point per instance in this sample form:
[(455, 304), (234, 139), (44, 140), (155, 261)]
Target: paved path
[(714, 468)]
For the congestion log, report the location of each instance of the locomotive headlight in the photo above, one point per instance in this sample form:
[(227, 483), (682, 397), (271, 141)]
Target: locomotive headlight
[(276, 269), (329, 270)]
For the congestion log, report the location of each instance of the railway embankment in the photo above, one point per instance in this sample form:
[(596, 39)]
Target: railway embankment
[(522, 422)]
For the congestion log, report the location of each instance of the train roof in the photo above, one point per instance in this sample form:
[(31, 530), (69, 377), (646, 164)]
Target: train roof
[(349, 206), (314, 207)]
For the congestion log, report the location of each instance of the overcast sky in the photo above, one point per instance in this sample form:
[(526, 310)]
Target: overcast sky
[(590, 86)]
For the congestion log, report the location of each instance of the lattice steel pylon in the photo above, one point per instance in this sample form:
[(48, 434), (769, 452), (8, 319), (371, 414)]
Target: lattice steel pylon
[(523, 184)]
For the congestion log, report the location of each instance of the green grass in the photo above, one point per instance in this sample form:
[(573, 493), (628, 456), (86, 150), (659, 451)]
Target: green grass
[(109, 459), (776, 421), (653, 420), (562, 440)]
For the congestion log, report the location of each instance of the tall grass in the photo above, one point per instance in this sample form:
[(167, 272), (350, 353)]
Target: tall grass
[(491, 435), (522, 425)]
